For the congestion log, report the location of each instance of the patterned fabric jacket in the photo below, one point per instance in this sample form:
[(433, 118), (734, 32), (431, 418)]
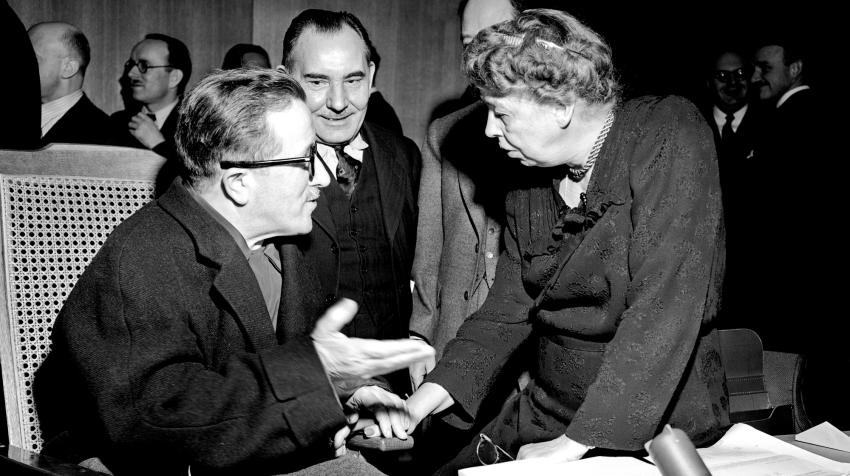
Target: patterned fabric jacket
[(631, 278)]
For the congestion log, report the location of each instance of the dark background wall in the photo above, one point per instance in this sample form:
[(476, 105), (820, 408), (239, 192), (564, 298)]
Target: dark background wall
[(658, 48)]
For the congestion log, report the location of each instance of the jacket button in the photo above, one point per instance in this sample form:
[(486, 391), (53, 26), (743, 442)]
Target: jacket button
[(334, 249), (466, 295)]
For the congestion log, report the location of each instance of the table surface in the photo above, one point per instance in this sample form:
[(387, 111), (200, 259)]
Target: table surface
[(830, 453)]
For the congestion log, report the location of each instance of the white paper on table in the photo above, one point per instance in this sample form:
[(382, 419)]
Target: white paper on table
[(745, 451), (596, 466), (825, 435)]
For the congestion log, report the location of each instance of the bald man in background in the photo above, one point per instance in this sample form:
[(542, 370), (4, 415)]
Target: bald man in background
[(67, 114)]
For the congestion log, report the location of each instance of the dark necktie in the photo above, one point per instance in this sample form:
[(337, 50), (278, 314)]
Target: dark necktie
[(727, 135), (152, 117), (347, 170)]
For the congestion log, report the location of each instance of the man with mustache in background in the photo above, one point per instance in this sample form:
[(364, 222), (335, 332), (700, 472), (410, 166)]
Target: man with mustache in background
[(157, 73)]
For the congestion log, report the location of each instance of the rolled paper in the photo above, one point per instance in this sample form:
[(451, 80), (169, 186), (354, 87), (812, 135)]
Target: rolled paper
[(675, 455)]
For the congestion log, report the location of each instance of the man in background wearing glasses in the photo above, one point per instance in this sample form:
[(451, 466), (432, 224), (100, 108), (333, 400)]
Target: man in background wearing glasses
[(737, 122), (156, 73), (194, 338)]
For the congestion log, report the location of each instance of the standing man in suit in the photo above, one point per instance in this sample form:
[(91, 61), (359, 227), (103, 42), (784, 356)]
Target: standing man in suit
[(796, 295), (67, 114), (737, 123), (365, 233), (461, 209), (157, 73), (795, 137), (192, 340)]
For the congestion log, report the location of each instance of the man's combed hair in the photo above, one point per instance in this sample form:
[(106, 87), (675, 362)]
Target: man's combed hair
[(178, 57), (224, 118), (548, 54), (323, 21)]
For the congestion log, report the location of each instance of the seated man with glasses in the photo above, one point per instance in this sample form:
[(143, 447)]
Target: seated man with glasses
[(196, 338), (156, 73)]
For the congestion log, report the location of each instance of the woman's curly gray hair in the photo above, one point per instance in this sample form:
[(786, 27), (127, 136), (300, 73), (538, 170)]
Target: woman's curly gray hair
[(547, 53)]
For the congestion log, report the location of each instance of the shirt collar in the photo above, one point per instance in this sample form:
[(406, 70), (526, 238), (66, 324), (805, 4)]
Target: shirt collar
[(789, 93), (162, 114), (720, 117), (52, 111), (354, 148)]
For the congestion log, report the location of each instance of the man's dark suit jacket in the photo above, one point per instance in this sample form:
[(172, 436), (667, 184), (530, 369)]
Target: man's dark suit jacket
[(793, 198), (398, 164), (380, 112), (84, 123), (740, 178), (167, 149), (167, 353), (22, 98)]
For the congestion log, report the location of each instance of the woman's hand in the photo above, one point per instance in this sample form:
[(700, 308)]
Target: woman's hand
[(429, 398), (388, 409), (559, 450)]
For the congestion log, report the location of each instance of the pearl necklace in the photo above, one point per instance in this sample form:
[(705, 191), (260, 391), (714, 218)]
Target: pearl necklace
[(578, 173)]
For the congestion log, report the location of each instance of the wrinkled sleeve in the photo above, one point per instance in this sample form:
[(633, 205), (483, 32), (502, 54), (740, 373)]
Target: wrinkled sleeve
[(487, 339)]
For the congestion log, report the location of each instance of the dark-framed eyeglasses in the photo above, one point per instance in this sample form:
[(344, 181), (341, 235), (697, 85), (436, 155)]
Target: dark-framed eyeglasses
[(725, 76), (489, 452), (143, 66), (310, 160)]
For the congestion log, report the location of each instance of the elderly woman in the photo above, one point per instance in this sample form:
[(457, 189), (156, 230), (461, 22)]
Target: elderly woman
[(614, 257)]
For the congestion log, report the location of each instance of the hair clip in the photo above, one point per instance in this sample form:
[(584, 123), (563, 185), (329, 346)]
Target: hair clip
[(512, 40), (548, 45)]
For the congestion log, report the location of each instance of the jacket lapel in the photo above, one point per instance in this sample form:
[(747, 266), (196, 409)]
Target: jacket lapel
[(476, 213), (322, 214), (299, 293), (234, 280), (391, 181)]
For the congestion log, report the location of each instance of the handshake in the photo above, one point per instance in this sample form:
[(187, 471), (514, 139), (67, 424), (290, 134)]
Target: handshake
[(347, 358)]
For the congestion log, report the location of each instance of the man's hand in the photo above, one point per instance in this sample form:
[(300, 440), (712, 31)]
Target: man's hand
[(145, 130), (420, 369), (354, 424), (388, 409), (559, 450), (345, 357)]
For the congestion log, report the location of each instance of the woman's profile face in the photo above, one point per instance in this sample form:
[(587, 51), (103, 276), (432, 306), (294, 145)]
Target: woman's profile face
[(526, 129)]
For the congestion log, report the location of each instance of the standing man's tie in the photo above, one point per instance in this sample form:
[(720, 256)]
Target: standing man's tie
[(347, 170), (727, 135)]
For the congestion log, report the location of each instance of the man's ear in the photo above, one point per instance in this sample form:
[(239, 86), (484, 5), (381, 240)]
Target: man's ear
[(70, 67), (564, 114), (237, 184), (174, 78), (796, 69)]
